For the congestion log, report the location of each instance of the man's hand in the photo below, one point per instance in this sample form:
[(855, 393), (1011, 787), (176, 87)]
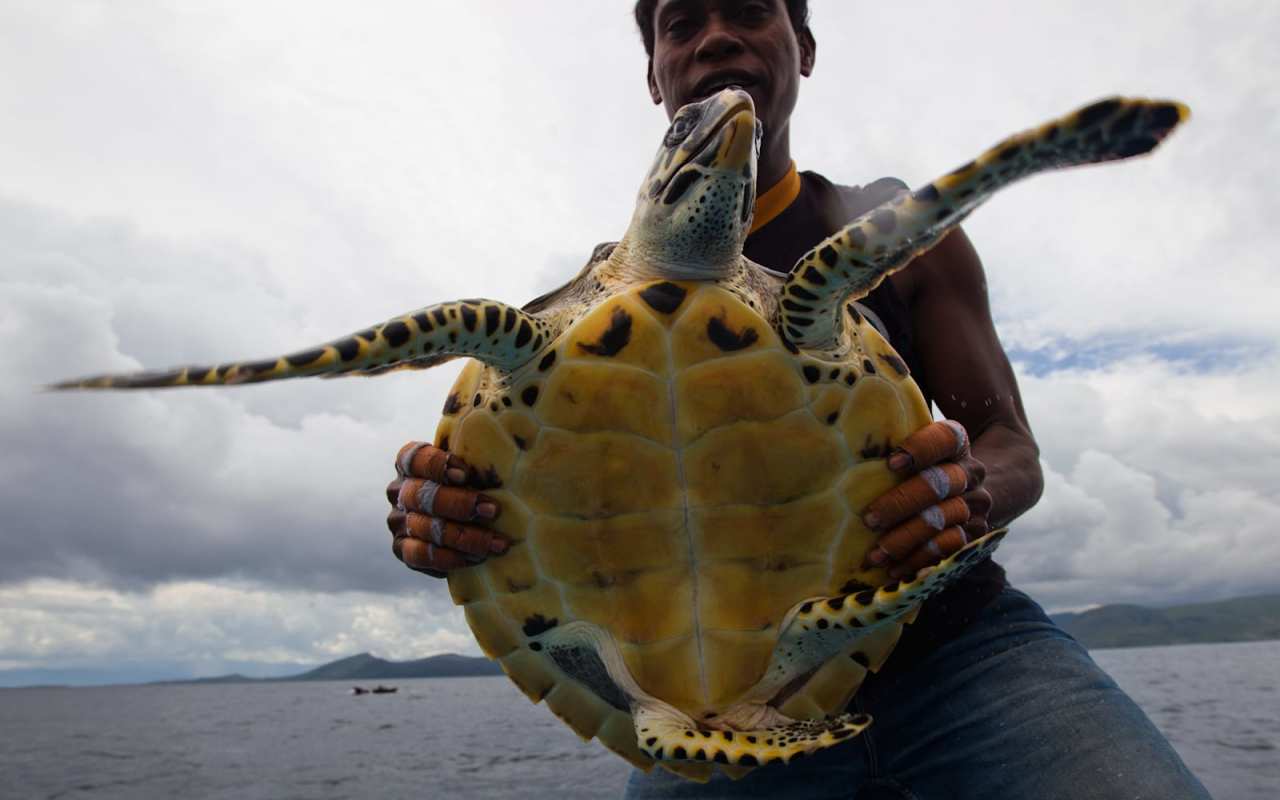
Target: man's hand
[(436, 523), (929, 516)]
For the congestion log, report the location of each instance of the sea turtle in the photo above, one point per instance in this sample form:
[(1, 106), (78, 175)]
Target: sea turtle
[(682, 442)]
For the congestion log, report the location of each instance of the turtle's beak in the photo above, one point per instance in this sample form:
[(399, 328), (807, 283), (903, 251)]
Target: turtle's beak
[(738, 142)]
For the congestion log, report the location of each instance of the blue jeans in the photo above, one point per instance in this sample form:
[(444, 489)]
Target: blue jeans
[(1011, 708)]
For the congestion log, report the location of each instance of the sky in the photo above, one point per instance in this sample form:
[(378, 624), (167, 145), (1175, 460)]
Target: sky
[(201, 182)]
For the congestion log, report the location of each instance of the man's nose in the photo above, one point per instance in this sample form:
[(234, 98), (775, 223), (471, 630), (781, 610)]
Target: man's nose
[(718, 40)]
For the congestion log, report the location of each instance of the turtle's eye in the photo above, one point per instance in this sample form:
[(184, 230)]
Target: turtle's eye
[(680, 128)]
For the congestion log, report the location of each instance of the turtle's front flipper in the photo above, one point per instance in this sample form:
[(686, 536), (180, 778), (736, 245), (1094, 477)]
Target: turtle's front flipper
[(853, 261), (489, 331)]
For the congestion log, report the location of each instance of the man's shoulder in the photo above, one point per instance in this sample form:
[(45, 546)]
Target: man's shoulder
[(857, 199)]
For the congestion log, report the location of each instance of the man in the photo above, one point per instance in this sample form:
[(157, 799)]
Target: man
[(984, 696)]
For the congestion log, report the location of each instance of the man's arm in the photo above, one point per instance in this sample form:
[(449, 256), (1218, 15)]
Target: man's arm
[(973, 384)]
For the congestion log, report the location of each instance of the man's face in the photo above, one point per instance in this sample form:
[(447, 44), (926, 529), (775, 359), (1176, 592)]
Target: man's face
[(701, 46)]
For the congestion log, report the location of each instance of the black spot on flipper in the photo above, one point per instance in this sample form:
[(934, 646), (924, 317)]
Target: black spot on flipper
[(524, 334), (506, 401), (1093, 114), (538, 624), (850, 378), (1136, 147), (868, 367), (822, 623), (508, 320), (348, 349), (1124, 123), (926, 194), (1010, 152), (529, 395), (438, 315), (791, 346), (198, 374), (663, 297), (368, 334), (720, 757), (884, 221), (492, 317), (897, 364), (614, 338), (796, 290), (396, 333), (803, 322), (423, 322), (865, 598), (476, 401), (748, 760), (728, 340), (469, 318), (678, 753), (812, 275), (832, 417), (842, 734), (828, 255), (452, 405), (811, 373), (792, 305), (547, 361), (1165, 116), (297, 359), (520, 442), (806, 607)]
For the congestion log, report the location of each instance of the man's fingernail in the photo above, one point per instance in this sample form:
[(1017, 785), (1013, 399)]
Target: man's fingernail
[(456, 475), (872, 519), (877, 557), (498, 546), (486, 510), (900, 460)]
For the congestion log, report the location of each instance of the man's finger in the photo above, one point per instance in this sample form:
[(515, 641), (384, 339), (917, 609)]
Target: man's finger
[(933, 552), (426, 557), (911, 535), (915, 494), (423, 460), (450, 502), (467, 539), (946, 440)]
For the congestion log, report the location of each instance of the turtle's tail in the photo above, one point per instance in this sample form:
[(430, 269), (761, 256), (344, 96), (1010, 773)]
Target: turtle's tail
[(674, 737), (487, 330)]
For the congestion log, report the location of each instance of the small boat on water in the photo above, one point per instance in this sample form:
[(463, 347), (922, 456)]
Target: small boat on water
[(379, 689)]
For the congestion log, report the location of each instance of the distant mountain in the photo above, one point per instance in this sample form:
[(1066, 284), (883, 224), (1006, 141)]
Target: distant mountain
[(1244, 619), (364, 667)]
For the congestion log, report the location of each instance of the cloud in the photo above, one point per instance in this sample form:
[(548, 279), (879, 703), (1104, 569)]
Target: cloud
[(1159, 484), (215, 627)]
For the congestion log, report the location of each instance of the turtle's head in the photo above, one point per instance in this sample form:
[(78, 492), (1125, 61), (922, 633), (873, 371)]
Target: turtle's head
[(694, 209)]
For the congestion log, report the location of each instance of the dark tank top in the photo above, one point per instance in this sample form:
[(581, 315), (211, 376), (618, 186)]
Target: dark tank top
[(820, 209)]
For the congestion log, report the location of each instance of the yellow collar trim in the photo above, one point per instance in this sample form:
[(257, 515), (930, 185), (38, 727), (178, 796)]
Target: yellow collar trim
[(779, 197)]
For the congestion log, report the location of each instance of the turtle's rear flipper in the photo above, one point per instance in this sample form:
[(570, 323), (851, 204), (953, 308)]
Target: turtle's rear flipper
[(822, 628), (852, 261), (666, 736), (489, 331)]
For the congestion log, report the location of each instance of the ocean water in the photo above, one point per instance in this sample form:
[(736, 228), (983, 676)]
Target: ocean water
[(479, 737)]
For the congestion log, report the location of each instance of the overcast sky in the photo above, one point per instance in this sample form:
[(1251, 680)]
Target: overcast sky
[(235, 181)]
